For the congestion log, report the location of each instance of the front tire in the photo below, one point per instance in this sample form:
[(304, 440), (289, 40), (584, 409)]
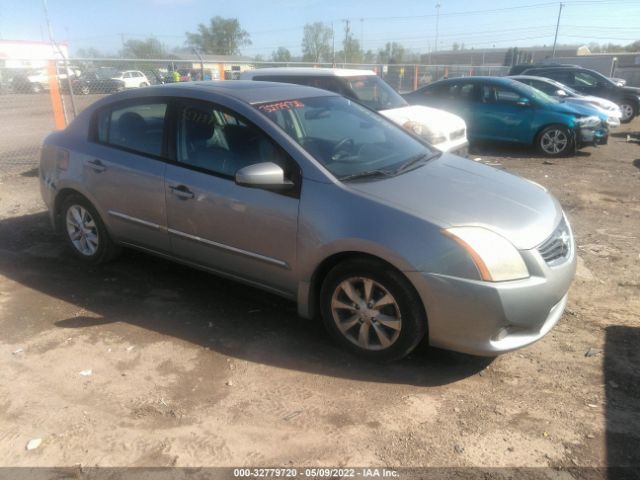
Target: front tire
[(555, 141), (84, 231), (372, 310), (628, 111)]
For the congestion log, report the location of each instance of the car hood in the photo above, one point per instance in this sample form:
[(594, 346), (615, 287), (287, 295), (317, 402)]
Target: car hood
[(433, 119), (608, 106), (577, 108), (452, 191)]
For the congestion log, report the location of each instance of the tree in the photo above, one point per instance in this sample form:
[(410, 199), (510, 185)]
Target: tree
[(369, 57), (351, 51), (633, 47), (281, 55), (391, 53), (149, 48), (223, 36), (316, 42), (455, 47)]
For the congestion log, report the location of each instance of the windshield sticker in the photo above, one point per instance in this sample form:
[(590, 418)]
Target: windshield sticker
[(276, 106)]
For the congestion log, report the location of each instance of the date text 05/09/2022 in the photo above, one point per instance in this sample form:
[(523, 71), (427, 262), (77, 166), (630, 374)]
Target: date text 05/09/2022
[(322, 472)]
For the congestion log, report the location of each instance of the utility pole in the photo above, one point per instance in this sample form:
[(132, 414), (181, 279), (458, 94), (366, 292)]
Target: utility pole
[(435, 47), (333, 46), (362, 34), (555, 39), (346, 38)]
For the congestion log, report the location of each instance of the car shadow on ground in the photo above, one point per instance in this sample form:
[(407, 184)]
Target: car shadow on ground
[(622, 389), (224, 316), (511, 150)]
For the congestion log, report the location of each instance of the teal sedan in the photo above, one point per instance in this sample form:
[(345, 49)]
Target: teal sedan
[(502, 109)]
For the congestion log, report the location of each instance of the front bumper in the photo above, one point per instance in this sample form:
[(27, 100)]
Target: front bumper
[(490, 318), (592, 136)]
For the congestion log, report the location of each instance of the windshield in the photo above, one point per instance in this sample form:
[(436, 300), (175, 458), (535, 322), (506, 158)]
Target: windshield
[(373, 92), (348, 139)]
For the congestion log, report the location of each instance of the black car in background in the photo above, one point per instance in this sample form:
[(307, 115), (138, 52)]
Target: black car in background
[(588, 82), (97, 81)]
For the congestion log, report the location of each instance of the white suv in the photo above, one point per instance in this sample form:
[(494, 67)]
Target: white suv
[(443, 130), (132, 78)]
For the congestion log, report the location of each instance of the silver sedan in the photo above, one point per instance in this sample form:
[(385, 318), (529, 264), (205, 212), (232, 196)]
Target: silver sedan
[(310, 196)]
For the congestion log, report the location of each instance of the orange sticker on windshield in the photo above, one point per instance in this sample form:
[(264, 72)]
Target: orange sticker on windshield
[(286, 105)]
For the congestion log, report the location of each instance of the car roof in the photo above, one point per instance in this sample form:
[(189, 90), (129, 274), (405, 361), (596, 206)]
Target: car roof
[(533, 77), (475, 79), (297, 71), (244, 90)]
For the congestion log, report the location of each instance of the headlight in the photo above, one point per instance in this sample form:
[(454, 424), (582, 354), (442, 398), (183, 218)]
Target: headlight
[(495, 257), (588, 122), (433, 138)]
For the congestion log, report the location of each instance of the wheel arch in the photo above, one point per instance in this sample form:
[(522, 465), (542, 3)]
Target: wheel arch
[(318, 276), (59, 200)]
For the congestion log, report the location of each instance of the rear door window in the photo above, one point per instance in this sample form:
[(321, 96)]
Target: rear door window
[(138, 127)]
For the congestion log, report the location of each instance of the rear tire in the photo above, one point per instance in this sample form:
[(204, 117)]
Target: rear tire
[(84, 231), (371, 309), (555, 141)]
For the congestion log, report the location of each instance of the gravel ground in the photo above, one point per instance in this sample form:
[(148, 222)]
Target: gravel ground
[(188, 369)]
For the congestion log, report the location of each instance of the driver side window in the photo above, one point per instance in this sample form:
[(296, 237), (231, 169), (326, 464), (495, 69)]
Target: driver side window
[(222, 143)]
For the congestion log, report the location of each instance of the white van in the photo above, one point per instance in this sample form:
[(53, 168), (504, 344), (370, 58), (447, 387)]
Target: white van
[(443, 130)]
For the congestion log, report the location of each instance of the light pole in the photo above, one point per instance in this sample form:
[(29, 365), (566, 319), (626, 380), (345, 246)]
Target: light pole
[(437, 24), (555, 39)]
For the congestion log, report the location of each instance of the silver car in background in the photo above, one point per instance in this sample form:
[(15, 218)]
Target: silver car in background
[(562, 93), (313, 197)]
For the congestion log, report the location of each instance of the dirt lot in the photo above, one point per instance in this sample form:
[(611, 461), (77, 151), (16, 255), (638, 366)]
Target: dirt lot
[(188, 369)]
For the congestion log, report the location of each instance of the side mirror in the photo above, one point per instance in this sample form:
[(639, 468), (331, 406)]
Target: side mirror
[(561, 93), (266, 175), (523, 102)]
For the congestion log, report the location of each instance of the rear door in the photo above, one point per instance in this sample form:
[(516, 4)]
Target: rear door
[(123, 169), (248, 233)]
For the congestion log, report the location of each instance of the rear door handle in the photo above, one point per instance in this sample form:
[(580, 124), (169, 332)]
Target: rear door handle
[(181, 191), (96, 165)]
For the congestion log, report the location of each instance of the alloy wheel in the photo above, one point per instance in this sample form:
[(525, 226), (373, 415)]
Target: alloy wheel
[(366, 313), (554, 141), (627, 112), (82, 230)]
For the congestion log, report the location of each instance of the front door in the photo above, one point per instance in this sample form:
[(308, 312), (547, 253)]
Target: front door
[(498, 115), (243, 232)]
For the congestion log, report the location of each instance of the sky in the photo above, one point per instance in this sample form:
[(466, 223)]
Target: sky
[(274, 23)]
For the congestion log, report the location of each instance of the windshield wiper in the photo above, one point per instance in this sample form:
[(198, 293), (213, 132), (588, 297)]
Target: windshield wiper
[(367, 173), (420, 158)]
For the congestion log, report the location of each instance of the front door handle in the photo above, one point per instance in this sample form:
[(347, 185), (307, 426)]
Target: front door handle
[(96, 165), (181, 191)]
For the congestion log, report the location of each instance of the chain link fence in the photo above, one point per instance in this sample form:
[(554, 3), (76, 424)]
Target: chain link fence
[(36, 100)]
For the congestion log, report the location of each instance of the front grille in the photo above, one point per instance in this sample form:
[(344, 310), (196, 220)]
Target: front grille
[(456, 134), (557, 248)]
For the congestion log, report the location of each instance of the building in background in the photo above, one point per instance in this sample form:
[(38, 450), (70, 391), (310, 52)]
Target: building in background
[(29, 54)]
